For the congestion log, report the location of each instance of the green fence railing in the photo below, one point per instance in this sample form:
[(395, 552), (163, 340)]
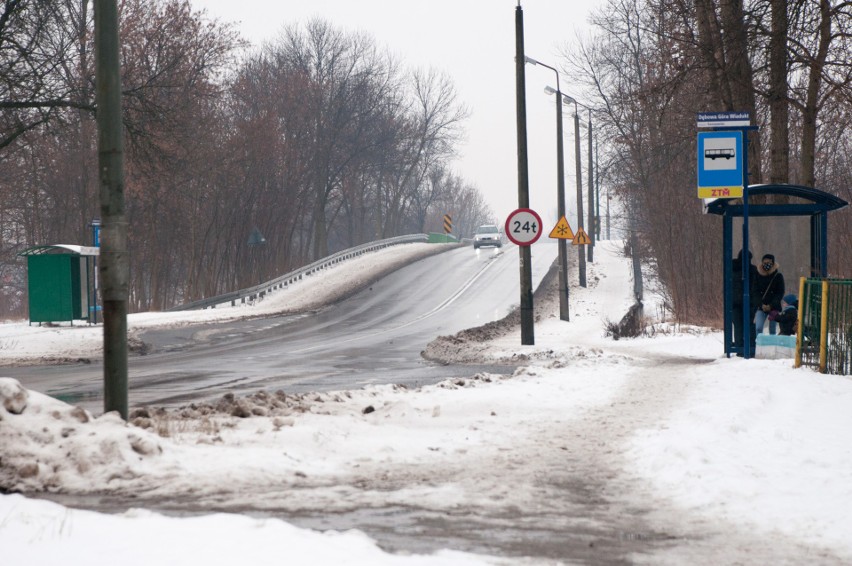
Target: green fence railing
[(825, 325)]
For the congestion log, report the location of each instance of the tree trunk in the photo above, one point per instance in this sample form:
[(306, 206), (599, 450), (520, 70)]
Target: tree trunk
[(740, 75), (809, 113), (710, 47), (779, 152)]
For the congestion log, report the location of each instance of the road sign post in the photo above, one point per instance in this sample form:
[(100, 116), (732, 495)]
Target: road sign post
[(527, 315), (523, 226), (723, 173)]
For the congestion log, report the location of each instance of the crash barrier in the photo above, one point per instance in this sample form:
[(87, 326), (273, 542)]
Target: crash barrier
[(260, 291), (824, 340)]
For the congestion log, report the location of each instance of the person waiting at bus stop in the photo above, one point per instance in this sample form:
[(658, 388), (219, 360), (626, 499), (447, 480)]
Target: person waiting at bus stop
[(768, 290), (788, 318), (737, 297)]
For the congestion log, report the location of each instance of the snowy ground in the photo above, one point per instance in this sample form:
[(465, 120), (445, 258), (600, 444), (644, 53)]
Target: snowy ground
[(738, 461)]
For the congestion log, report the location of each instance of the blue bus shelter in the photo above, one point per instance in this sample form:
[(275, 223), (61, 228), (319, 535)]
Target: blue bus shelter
[(803, 201)]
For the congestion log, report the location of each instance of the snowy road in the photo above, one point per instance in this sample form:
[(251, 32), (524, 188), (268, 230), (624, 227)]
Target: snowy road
[(373, 337)]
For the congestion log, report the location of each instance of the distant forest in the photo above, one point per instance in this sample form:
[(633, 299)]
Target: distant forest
[(317, 142)]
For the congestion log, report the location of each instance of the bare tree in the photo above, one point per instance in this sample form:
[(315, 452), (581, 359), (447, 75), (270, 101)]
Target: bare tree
[(39, 68), (316, 141), (432, 131), (820, 69), (777, 95)]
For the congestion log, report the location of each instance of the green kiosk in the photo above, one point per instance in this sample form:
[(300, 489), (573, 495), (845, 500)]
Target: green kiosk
[(61, 283)]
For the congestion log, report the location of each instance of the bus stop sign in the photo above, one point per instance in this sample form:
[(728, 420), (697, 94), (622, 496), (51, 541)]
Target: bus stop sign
[(720, 164)]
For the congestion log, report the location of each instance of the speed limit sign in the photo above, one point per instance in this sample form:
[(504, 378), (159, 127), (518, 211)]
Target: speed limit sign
[(523, 226)]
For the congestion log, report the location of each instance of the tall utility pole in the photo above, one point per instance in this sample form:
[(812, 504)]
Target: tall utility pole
[(113, 267), (560, 192), (579, 168), (560, 205), (608, 198), (527, 314), (591, 244), (597, 193)]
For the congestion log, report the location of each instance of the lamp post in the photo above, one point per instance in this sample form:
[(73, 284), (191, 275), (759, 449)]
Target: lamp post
[(582, 254), (560, 193), (597, 193), (608, 198), (591, 246)]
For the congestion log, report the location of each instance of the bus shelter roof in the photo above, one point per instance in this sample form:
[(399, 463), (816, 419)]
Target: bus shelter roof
[(61, 248), (808, 201)]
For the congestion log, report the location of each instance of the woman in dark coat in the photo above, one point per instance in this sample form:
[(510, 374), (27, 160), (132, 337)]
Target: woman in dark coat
[(767, 292)]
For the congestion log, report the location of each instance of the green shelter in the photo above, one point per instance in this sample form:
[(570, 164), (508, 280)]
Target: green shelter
[(60, 282)]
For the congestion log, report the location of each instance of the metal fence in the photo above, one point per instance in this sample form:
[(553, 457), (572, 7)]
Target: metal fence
[(825, 325), (259, 291)]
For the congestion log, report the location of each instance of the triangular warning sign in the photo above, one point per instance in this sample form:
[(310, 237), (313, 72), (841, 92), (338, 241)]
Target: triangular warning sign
[(581, 238), (562, 230)]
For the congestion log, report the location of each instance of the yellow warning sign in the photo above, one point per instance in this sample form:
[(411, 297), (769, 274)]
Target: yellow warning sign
[(562, 230), (448, 224), (581, 238)]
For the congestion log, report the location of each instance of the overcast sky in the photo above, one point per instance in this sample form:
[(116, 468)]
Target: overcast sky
[(474, 42)]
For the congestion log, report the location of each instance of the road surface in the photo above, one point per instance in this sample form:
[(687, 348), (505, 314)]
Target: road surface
[(374, 337)]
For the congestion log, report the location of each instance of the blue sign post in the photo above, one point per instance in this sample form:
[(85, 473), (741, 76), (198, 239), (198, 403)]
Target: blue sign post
[(96, 242), (723, 173)]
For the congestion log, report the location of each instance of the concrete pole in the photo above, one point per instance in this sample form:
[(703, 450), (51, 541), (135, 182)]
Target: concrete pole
[(527, 313), (591, 245), (560, 191), (113, 266), (579, 168), (560, 205)]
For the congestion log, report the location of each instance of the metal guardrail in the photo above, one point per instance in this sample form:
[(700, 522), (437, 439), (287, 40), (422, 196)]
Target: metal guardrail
[(260, 291)]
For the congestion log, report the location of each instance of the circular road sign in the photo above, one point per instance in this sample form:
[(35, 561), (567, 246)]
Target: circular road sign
[(523, 226)]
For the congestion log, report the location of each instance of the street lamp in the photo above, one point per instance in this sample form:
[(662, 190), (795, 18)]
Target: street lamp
[(591, 246), (597, 226), (582, 254), (560, 193)]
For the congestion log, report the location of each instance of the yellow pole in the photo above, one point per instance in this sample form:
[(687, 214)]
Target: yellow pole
[(823, 329), (800, 325)]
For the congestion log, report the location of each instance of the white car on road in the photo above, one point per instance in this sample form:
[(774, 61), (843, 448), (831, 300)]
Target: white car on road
[(487, 235)]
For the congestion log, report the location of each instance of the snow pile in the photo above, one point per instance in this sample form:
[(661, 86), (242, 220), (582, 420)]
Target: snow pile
[(47, 445), (45, 534)]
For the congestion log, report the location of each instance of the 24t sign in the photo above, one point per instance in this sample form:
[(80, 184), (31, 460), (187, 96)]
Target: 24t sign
[(523, 226)]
